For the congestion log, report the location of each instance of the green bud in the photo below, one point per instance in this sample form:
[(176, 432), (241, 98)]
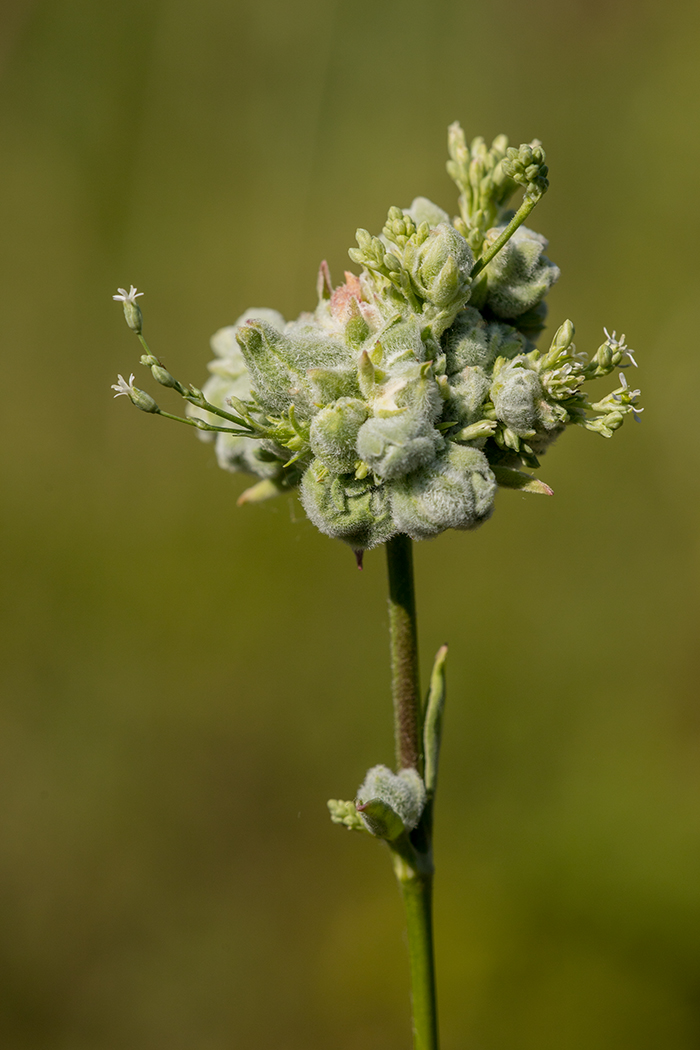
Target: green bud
[(260, 492), (440, 267), (333, 434), (457, 491), (476, 431), (163, 376), (396, 445), (520, 275), (356, 328), (604, 357), (391, 802), (347, 508), (516, 393), (563, 337), (469, 390), (345, 813)]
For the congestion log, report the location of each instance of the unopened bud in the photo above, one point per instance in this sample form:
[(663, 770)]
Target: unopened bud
[(163, 376)]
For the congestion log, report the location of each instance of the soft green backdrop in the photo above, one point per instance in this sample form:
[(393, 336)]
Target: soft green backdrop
[(186, 683)]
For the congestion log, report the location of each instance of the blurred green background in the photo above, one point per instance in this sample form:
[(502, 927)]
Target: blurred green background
[(186, 683)]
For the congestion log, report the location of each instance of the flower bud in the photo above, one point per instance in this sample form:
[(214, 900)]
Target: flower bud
[(345, 813), (349, 509), (520, 275), (391, 802), (398, 444), (440, 267), (163, 376), (466, 342), (469, 389), (457, 491), (334, 431), (516, 393)]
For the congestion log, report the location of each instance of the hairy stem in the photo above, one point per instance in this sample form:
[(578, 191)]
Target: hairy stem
[(413, 862), (404, 653)]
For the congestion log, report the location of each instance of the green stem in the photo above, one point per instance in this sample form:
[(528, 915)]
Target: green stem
[(413, 862), (404, 653), (201, 425), (197, 399), (417, 893), (517, 220)]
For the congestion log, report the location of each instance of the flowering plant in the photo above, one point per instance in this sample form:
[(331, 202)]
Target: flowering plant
[(397, 408)]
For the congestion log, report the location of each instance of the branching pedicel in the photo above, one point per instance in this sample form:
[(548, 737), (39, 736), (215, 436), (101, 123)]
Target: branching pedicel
[(397, 408)]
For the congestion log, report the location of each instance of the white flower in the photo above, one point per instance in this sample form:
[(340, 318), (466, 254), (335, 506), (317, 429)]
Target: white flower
[(628, 397), (127, 297), (619, 344), (122, 387)]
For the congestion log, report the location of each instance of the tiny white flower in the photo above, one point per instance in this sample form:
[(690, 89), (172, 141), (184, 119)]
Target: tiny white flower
[(122, 387), (619, 344), (628, 397), (127, 297)]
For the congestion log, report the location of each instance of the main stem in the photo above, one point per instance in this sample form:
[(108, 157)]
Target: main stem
[(403, 635), (414, 863)]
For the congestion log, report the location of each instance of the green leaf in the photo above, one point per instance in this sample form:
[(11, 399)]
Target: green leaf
[(508, 478)]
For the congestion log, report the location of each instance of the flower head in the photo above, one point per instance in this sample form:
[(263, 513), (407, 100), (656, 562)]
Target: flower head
[(137, 397), (127, 297), (132, 312), (122, 387)]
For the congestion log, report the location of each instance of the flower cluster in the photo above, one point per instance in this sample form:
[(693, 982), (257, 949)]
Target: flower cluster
[(414, 389)]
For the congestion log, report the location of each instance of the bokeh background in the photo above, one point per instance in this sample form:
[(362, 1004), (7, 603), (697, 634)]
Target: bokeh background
[(185, 683)]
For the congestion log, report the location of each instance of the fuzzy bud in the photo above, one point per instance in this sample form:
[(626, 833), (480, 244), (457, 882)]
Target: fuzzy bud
[(334, 431), (440, 267), (455, 492), (398, 444), (516, 393), (391, 802), (520, 275), (346, 508)]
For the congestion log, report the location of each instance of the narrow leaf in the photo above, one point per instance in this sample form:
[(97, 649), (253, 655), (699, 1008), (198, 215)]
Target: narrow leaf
[(508, 478), (432, 726)]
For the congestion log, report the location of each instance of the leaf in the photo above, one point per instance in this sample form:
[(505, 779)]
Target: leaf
[(508, 478)]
